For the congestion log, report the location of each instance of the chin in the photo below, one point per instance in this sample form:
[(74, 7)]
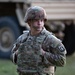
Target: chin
[(39, 29)]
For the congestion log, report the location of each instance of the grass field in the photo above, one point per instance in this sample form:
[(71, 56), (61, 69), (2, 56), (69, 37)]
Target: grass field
[(69, 68), (8, 68)]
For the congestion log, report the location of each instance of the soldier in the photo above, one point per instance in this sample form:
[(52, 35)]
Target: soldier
[(37, 51)]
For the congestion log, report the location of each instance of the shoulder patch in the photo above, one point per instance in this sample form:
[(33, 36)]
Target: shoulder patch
[(61, 48)]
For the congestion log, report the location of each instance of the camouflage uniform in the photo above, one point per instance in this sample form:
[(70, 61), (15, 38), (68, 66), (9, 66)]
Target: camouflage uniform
[(27, 55)]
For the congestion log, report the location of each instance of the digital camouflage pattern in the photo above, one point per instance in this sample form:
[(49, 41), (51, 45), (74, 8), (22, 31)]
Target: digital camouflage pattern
[(35, 13), (29, 58)]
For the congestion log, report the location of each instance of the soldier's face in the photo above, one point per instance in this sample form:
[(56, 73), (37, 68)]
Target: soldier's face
[(37, 24)]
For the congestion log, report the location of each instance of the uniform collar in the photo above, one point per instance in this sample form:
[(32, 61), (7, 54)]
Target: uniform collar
[(43, 31)]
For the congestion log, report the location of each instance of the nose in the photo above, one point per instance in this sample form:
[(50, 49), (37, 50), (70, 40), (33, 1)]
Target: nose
[(39, 22)]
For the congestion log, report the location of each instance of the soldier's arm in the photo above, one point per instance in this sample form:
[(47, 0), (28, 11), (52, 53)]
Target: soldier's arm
[(57, 54), (17, 44), (14, 51)]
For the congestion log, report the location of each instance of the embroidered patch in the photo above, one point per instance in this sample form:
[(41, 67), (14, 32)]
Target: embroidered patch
[(61, 48)]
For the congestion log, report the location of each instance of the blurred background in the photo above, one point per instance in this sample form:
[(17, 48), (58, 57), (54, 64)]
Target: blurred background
[(61, 21)]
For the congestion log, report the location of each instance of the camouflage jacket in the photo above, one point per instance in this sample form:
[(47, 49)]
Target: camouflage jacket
[(55, 52)]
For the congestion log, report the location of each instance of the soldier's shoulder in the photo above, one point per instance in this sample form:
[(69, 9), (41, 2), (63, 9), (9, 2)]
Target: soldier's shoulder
[(23, 36), (47, 33), (50, 34), (52, 38)]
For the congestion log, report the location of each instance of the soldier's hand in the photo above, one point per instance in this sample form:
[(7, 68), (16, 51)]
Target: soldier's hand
[(42, 52)]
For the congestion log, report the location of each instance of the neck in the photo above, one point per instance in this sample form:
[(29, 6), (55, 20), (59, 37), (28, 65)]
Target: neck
[(35, 32)]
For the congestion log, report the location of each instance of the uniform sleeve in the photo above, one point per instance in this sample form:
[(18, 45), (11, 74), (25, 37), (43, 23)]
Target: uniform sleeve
[(57, 53), (14, 51), (17, 44)]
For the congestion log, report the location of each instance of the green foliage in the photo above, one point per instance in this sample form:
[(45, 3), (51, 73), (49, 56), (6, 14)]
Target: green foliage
[(8, 68)]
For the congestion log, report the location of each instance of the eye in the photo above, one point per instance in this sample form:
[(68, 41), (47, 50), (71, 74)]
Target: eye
[(35, 20), (42, 20)]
